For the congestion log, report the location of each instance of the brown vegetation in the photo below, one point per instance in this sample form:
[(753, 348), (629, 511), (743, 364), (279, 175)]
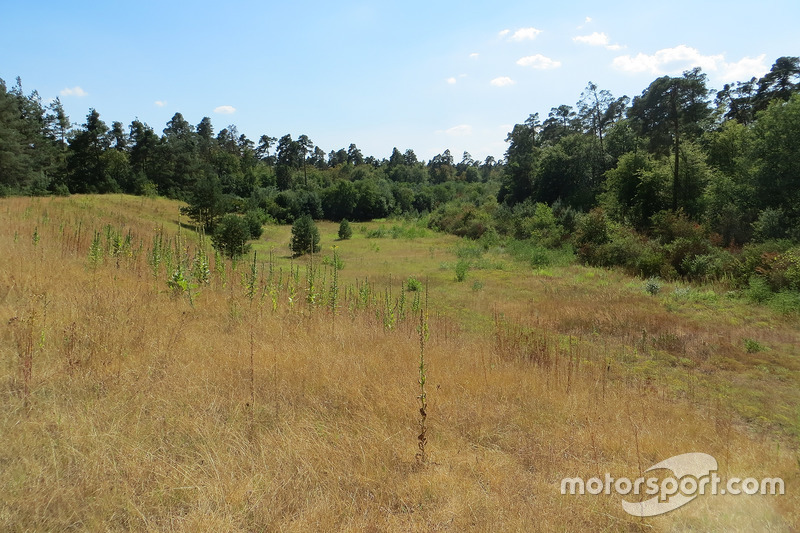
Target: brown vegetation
[(130, 404)]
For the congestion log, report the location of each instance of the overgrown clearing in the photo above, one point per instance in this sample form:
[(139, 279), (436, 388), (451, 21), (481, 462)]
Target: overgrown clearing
[(267, 399)]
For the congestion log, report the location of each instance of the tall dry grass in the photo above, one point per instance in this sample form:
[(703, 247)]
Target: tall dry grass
[(137, 413)]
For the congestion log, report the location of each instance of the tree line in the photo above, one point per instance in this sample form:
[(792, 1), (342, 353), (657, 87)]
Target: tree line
[(217, 172), (679, 155)]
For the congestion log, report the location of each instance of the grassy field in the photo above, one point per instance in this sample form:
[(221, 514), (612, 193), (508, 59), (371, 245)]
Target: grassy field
[(285, 395)]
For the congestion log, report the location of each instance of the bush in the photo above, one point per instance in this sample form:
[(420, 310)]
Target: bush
[(785, 270), (461, 269), (770, 225), (461, 220), (786, 302), (710, 266), (537, 256), (682, 251), (758, 290), (305, 236), (753, 346), (255, 219), (652, 286), (231, 235), (345, 231), (592, 229), (668, 226), (413, 284), (543, 226), (758, 258)]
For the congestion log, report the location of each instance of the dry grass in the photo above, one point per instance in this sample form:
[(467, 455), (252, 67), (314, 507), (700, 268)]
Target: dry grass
[(138, 412)]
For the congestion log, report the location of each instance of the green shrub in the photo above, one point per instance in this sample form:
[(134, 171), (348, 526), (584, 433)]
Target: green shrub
[(255, 219), (652, 286), (592, 228), (758, 290), (537, 256), (758, 259), (543, 227), (785, 270), (462, 220), (668, 226), (231, 235), (753, 346), (710, 266), (345, 230), (413, 284), (770, 225), (786, 302), (461, 269), (305, 236), (682, 251)]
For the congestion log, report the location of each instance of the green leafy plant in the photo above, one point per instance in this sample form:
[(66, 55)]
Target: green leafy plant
[(231, 235), (461, 269), (413, 284), (652, 286), (305, 236), (345, 230)]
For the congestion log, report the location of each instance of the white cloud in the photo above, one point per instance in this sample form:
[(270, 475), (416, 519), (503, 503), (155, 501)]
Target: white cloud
[(538, 61), (525, 34), (667, 60), (451, 81), (746, 68), (74, 91), (474, 55), (225, 110), (502, 81), (588, 20), (160, 103), (681, 58), (522, 34), (461, 130), (595, 39)]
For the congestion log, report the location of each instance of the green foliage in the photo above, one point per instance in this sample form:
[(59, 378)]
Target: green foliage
[(461, 268), (753, 346), (345, 231), (95, 251), (542, 227), (758, 290), (413, 284), (537, 256), (461, 220), (786, 302), (770, 225), (652, 286), (255, 219), (334, 261), (305, 236), (231, 235), (776, 145)]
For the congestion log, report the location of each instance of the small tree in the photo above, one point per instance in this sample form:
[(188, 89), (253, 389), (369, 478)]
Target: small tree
[(345, 231), (231, 235), (255, 219), (305, 236)]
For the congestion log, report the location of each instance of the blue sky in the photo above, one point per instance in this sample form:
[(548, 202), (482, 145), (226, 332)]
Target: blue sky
[(429, 76)]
